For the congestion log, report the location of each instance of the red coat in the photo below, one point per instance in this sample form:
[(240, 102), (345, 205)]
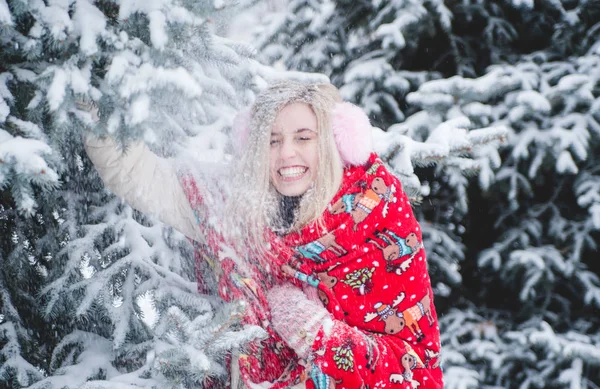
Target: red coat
[(370, 270)]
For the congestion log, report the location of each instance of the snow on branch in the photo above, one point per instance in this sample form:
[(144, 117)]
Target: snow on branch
[(565, 346), (587, 190), (450, 143), (10, 353), (25, 163), (484, 343)]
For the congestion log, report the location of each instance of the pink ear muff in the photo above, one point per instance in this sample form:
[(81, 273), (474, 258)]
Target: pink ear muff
[(351, 130)]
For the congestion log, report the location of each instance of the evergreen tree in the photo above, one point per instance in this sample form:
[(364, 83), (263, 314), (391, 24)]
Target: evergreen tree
[(532, 290), (77, 263)]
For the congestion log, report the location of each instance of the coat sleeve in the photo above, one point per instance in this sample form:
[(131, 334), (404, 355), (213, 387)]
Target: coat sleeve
[(145, 181)]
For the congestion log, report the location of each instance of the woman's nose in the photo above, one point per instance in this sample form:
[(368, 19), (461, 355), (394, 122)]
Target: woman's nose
[(287, 150)]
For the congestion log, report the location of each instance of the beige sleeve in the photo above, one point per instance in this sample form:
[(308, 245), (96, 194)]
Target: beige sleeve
[(145, 181)]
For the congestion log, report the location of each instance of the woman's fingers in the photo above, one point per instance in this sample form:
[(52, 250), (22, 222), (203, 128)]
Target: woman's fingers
[(90, 107)]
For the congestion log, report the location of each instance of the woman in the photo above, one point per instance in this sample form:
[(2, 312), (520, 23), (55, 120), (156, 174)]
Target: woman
[(316, 229)]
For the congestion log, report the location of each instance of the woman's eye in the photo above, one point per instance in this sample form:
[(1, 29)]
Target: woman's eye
[(274, 142)]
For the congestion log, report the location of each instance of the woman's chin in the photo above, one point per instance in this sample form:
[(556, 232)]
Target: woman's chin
[(292, 189)]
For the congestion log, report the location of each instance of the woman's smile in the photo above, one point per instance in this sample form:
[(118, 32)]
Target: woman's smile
[(292, 173)]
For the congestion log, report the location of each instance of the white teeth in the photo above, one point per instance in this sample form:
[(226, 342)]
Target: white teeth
[(292, 171)]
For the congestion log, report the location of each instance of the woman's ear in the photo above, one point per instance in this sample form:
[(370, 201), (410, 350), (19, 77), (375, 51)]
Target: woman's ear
[(352, 132)]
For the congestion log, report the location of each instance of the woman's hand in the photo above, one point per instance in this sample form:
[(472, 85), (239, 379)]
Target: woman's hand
[(90, 107), (296, 318)]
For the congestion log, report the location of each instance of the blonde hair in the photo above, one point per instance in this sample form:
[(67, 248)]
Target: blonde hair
[(254, 203)]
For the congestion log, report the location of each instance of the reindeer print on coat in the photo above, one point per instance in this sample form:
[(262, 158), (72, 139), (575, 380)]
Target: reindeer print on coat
[(414, 314), (313, 250), (409, 361), (345, 204), (395, 320), (372, 356), (370, 199), (397, 248)]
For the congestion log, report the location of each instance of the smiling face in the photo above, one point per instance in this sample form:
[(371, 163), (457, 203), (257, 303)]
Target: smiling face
[(293, 158)]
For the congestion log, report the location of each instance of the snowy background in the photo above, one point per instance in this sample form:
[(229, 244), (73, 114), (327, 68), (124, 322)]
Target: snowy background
[(489, 111)]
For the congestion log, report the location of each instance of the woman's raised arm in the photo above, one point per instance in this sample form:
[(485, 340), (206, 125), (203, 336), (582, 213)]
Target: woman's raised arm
[(144, 180)]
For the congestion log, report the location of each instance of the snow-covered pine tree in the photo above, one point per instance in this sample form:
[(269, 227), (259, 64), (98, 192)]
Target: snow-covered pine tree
[(28, 173), (530, 318), (77, 263)]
